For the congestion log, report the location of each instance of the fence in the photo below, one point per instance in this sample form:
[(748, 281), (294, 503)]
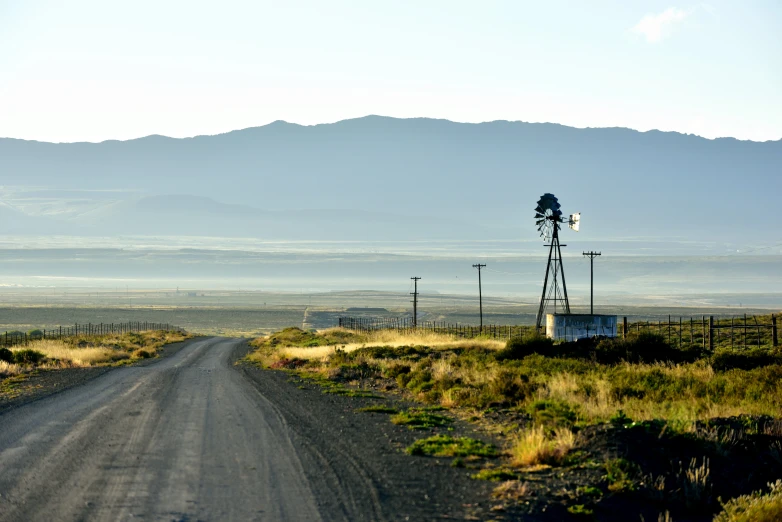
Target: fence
[(705, 332), (405, 325), (16, 338), (742, 332)]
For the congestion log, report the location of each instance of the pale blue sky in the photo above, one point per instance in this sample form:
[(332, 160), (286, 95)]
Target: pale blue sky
[(90, 70)]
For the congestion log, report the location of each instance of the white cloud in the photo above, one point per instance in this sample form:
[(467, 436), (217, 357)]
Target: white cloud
[(655, 27)]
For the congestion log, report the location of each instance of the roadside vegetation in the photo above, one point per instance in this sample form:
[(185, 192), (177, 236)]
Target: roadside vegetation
[(585, 428), (83, 351)]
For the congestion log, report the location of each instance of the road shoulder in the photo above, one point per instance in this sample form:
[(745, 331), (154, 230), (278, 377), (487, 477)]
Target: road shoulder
[(338, 443)]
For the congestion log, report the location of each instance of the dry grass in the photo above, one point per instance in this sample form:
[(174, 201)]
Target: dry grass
[(87, 351), (511, 490), (61, 354), (535, 446), (386, 338), (9, 369)]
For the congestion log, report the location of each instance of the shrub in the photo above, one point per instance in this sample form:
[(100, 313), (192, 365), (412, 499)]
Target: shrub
[(35, 334), (622, 475), (520, 347), (724, 360), (508, 386), (552, 413), (353, 372), (6, 355), (756, 507), (644, 347), (142, 354), (28, 356), (392, 371)]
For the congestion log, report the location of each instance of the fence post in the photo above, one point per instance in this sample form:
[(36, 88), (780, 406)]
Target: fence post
[(774, 339), (711, 333), (624, 328)]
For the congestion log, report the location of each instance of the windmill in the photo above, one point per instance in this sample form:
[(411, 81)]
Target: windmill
[(548, 218)]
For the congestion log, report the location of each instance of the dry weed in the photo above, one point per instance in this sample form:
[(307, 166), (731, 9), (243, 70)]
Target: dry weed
[(511, 490), (534, 446), (9, 369)]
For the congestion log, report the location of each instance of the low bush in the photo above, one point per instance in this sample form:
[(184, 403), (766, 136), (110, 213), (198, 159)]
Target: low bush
[(724, 360), (35, 334), (28, 356), (6, 355), (553, 413), (520, 347), (354, 372), (142, 354), (645, 347), (622, 475)]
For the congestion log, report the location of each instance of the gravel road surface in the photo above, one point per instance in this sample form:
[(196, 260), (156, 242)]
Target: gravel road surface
[(195, 437)]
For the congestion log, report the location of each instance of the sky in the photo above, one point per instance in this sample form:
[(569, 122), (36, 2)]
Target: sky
[(92, 70)]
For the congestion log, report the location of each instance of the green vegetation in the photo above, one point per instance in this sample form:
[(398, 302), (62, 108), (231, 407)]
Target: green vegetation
[(622, 475), (671, 428), (495, 474), (378, 409), (306, 339), (28, 356), (580, 510), (420, 419), (445, 446)]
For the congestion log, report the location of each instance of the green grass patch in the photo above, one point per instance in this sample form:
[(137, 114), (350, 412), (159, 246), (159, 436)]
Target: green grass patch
[(580, 510), (347, 392), (420, 419), (378, 408), (446, 446), (495, 475)]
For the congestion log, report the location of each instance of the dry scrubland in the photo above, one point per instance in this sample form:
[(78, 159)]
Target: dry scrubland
[(83, 351), (595, 428)]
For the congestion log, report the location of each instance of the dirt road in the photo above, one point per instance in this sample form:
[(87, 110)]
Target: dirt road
[(195, 437)]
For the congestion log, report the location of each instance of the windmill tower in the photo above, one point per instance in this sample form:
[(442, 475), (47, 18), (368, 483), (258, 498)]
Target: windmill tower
[(548, 218)]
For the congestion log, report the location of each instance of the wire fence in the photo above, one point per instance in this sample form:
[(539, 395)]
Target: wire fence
[(14, 338), (405, 325), (736, 332)]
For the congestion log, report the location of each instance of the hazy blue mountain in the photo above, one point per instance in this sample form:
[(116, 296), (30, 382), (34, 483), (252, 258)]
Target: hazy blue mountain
[(426, 178)]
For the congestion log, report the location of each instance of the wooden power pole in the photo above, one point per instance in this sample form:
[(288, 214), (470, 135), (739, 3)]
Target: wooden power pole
[(415, 301), (592, 256), (480, 293)]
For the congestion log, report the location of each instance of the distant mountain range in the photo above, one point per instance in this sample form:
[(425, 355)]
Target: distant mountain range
[(378, 177)]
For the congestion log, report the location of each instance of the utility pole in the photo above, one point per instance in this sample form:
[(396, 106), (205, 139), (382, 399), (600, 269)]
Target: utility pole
[(592, 256), (480, 294), (415, 301)]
